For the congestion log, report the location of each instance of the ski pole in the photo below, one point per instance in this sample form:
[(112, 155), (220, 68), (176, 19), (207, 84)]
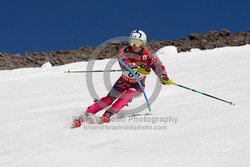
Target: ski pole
[(91, 71), (231, 103)]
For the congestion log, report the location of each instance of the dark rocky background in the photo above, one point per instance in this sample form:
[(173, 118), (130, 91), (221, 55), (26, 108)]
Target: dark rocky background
[(209, 40)]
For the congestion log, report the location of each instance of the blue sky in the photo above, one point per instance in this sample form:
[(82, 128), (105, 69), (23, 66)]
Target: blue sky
[(44, 25)]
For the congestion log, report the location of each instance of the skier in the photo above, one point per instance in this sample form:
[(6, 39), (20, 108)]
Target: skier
[(138, 57)]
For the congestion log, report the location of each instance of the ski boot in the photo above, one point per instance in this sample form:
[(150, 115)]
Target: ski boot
[(78, 120), (106, 117)]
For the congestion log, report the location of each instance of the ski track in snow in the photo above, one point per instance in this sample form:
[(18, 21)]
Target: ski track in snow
[(37, 105)]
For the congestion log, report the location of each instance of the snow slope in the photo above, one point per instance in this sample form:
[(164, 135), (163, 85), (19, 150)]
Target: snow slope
[(37, 104)]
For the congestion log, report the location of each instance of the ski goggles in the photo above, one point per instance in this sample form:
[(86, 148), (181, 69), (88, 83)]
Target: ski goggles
[(137, 42)]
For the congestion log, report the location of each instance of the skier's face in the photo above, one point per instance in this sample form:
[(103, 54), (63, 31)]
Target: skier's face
[(136, 44), (136, 48)]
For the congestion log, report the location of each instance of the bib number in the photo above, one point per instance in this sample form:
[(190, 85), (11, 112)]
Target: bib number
[(130, 75), (137, 74)]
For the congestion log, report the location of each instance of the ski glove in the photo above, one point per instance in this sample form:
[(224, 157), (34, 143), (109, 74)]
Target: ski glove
[(166, 81), (144, 71)]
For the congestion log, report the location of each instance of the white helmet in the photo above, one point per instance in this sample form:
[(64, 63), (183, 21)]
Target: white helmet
[(139, 35)]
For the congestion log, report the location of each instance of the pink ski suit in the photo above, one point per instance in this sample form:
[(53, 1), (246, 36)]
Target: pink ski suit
[(126, 87)]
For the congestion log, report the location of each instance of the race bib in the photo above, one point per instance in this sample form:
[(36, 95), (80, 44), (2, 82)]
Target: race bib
[(130, 76)]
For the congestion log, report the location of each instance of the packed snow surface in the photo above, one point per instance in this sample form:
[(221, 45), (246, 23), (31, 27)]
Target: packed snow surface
[(184, 129)]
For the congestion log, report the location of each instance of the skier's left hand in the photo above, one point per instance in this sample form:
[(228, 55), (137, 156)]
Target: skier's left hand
[(166, 81), (144, 71)]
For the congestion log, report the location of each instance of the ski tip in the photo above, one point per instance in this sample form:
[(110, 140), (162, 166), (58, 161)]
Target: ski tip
[(74, 127)]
